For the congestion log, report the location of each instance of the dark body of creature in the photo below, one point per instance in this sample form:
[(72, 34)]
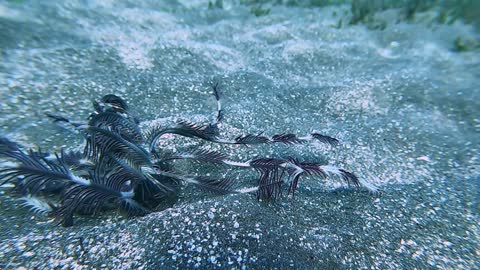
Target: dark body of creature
[(123, 167)]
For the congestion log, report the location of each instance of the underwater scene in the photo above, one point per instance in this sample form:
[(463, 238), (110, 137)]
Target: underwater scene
[(240, 134)]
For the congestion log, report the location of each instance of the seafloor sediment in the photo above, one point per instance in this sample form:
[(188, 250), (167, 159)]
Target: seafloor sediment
[(403, 97)]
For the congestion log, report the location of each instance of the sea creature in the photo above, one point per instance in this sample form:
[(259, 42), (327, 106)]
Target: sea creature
[(123, 166)]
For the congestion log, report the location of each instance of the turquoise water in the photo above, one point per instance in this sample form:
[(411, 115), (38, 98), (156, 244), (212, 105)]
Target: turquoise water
[(397, 84)]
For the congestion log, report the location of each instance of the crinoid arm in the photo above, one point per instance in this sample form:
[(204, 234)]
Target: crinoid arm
[(108, 187), (198, 155), (101, 141), (35, 172), (118, 124), (57, 118), (276, 173), (37, 204), (217, 94), (214, 185), (210, 133), (114, 103)]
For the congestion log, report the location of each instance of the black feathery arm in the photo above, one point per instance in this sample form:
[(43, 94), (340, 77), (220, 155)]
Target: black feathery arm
[(36, 173), (210, 133), (59, 119), (199, 155), (218, 97), (102, 141), (142, 177), (292, 165), (275, 172), (108, 186), (209, 184), (182, 128), (93, 199), (119, 124)]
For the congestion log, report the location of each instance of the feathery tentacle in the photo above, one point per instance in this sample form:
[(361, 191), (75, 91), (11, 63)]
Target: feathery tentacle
[(217, 94)]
